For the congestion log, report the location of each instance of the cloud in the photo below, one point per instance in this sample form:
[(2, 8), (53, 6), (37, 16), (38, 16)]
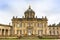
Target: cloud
[(49, 8)]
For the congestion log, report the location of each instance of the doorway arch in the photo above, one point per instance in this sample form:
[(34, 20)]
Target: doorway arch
[(29, 31)]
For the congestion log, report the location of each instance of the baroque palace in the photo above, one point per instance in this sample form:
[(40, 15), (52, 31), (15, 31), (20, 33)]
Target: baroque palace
[(29, 25)]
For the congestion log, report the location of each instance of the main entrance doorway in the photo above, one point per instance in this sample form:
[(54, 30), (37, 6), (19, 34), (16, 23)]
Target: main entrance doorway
[(40, 32), (29, 32)]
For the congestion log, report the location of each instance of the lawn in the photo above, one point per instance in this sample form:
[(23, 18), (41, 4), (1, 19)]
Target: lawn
[(29, 39)]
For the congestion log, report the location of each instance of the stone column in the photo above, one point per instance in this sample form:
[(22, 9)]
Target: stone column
[(44, 29), (33, 32), (8, 32), (36, 32), (0, 31), (24, 32)]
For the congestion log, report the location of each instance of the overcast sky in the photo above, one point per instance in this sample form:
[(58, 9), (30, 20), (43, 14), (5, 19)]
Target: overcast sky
[(49, 8)]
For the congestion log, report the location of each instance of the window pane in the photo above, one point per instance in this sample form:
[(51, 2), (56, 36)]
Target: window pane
[(20, 24), (50, 32), (39, 25), (20, 31)]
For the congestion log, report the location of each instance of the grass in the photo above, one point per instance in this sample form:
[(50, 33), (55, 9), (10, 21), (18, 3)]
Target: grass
[(29, 39)]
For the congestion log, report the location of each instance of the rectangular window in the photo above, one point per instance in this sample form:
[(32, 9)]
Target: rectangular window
[(17, 31), (39, 25), (57, 28), (28, 24), (24, 31), (31, 24), (20, 24), (40, 32), (20, 31), (50, 32), (24, 24)]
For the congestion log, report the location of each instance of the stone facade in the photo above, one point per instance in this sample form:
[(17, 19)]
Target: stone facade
[(53, 29), (29, 25), (5, 30)]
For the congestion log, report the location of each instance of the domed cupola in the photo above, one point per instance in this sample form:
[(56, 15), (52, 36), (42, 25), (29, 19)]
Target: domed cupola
[(29, 13)]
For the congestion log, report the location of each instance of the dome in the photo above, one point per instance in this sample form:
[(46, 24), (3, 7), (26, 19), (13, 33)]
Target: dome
[(29, 10), (29, 13)]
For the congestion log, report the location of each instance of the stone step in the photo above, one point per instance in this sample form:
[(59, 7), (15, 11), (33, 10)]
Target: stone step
[(30, 37)]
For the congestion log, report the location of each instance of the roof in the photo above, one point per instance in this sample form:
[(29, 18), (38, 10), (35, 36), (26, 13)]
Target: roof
[(54, 25), (5, 25), (29, 10), (31, 19)]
